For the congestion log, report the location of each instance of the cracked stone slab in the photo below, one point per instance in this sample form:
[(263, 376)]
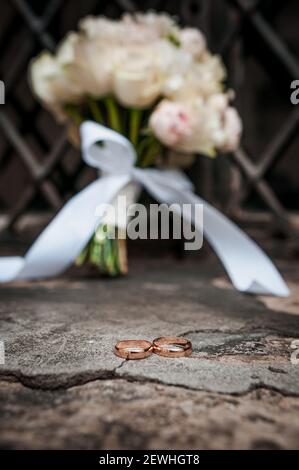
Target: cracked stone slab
[(61, 333), (234, 377), (117, 414)]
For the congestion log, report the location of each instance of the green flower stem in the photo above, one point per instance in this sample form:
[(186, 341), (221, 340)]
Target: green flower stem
[(113, 114), (73, 112), (95, 110), (135, 121), (141, 148), (106, 254), (122, 254), (149, 152), (83, 257)]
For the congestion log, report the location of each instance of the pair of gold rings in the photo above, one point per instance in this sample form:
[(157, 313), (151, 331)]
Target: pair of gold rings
[(164, 346)]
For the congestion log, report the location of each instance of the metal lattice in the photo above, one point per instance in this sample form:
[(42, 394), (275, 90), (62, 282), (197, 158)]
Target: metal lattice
[(252, 16), (38, 167)]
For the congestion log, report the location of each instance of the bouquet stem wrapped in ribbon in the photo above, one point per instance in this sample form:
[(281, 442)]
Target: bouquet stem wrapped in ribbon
[(104, 251), (144, 93)]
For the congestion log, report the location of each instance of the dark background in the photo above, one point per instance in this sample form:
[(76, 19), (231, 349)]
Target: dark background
[(259, 41)]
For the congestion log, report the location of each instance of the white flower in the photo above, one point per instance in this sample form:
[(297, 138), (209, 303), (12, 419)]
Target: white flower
[(66, 49), (141, 29), (88, 64), (193, 41), (213, 69), (197, 127), (131, 29), (206, 129), (188, 79), (171, 123), (162, 24), (138, 77), (228, 136), (218, 102), (178, 65), (139, 60), (50, 83), (100, 27)]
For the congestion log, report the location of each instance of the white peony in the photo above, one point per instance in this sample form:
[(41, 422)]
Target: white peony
[(197, 127), (131, 29), (161, 24), (138, 77), (50, 82), (192, 41), (188, 79), (171, 123), (137, 29), (206, 130), (218, 102), (88, 64), (212, 69), (99, 27)]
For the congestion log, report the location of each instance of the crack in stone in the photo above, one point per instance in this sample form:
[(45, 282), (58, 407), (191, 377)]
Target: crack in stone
[(65, 380), (112, 375), (120, 366), (53, 380), (210, 331)]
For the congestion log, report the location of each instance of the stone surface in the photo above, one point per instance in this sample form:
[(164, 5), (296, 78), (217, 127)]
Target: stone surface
[(239, 388), (118, 414)]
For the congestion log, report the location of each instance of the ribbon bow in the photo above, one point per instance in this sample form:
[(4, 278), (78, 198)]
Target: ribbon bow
[(249, 269)]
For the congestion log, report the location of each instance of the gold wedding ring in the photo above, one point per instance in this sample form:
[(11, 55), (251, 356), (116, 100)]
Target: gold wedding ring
[(132, 349), (172, 347)]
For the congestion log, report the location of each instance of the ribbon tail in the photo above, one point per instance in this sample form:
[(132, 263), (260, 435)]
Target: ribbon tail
[(248, 267), (66, 236), (10, 267)]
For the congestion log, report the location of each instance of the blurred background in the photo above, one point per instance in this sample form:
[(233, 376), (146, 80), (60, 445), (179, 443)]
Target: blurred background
[(259, 42)]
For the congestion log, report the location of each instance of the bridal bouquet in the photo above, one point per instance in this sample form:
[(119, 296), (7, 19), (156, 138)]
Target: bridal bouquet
[(148, 79)]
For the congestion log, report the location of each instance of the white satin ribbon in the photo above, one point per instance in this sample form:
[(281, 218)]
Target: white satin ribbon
[(249, 269)]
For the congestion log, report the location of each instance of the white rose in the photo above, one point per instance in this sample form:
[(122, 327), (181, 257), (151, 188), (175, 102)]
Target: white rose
[(219, 126), (171, 123), (101, 28), (178, 65), (88, 64), (131, 29), (218, 102), (136, 31), (162, 24), (188, 79), (50, 82), (228, 136), (138, 77), (193, 41)]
